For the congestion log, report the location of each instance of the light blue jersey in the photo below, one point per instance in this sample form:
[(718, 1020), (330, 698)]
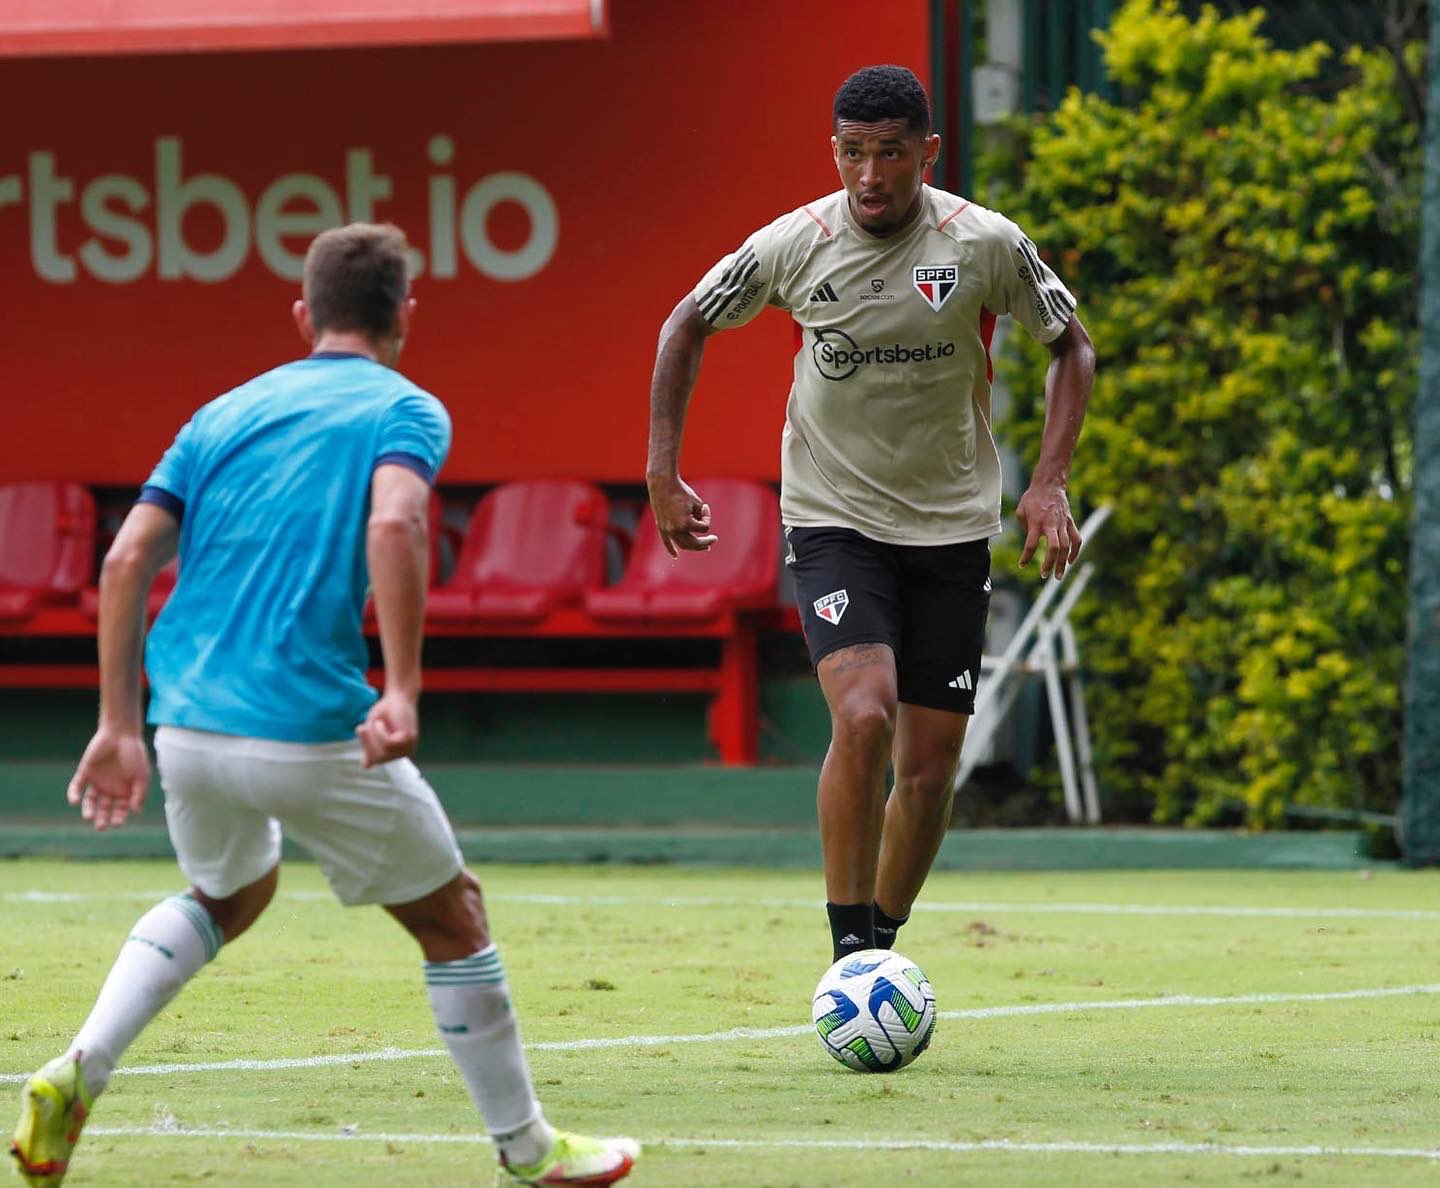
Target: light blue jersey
[(271, 485)]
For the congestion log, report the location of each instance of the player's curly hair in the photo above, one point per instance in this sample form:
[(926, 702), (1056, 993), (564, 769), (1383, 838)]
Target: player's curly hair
[(884, 93), (356, 278)]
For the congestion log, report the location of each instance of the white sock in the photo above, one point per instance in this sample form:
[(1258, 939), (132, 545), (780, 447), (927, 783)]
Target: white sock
[(165, 949), (472, 1009)]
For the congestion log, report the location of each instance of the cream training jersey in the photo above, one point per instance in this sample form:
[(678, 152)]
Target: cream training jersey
[(887, 429)]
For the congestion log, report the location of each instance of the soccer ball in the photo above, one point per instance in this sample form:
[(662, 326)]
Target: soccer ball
[(874, 1011)]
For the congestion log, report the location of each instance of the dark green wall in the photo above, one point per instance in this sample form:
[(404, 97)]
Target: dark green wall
[(504, 728)]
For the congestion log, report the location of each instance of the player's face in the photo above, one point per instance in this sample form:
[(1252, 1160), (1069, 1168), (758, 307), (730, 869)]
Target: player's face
[(882, 165)]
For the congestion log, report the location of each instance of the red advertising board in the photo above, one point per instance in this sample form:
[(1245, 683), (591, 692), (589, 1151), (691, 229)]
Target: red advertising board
[(561, 197), (156, 26)]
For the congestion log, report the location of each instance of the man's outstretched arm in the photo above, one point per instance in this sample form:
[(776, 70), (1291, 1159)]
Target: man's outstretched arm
[(114, 773), (1044, 509), (680, 515)]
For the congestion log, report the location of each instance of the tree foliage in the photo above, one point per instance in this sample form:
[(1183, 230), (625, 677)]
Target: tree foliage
[(1242, 241)]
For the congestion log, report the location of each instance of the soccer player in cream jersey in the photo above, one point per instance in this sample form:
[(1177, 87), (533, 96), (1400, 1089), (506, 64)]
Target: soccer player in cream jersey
[(890, 480), (285, 498)]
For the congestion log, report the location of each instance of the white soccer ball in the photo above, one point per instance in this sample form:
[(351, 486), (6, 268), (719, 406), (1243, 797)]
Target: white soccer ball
[(874, 1011)]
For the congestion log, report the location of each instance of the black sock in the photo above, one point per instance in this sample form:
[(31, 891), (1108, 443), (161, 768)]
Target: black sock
[(886, 926), (852, 927)]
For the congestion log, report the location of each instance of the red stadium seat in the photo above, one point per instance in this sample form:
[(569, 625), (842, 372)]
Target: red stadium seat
[(159, 593), (740, 572), (532, 546), (165, 580), (530, 567), (47, 545)]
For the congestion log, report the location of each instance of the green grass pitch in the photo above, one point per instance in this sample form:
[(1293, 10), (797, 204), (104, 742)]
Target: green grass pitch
[(1134, 1093)]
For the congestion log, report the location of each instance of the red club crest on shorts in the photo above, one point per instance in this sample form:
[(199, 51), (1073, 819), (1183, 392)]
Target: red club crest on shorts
[(832, 606), (935, 283)]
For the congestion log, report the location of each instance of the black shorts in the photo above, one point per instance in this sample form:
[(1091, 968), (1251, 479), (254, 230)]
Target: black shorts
[(927, 602)]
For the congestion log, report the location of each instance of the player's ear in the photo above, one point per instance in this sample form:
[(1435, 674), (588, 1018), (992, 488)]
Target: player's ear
[(403, 316), (932, 150), (301, 313)]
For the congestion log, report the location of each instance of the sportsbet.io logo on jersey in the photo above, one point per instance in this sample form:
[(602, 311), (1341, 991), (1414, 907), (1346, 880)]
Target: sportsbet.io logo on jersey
[(838, 356)]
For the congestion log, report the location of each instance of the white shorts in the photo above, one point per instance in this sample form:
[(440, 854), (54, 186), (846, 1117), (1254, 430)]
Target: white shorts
[(379, 834)]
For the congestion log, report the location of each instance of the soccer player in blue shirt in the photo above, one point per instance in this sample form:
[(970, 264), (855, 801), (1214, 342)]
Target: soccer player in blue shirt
[(286, 499)]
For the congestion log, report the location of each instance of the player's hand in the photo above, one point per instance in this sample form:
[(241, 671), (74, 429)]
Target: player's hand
[(1044, 514), (391, 729), (112, 779), (683, 520)]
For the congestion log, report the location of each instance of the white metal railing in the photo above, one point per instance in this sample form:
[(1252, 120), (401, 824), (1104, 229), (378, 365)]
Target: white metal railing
[(1044, 646)]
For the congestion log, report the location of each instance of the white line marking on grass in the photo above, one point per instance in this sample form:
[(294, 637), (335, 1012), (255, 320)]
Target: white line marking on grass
[(744, 1033), (943, 907), (1061, 1147), (1184, 909), (1002, 1146), (36, 896), (939, 908), (72, 896), (1189, 1000)]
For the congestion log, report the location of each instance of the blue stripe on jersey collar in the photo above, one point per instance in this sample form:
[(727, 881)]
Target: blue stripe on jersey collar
[(337, 355)]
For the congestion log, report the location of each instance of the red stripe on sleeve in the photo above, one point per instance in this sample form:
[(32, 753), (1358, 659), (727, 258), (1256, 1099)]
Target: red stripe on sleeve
[(828, 233), (952, 214), (987, 332)]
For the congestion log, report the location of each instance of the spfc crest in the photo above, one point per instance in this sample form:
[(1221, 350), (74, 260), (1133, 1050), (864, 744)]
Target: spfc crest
[(935, 283), (832, 606)]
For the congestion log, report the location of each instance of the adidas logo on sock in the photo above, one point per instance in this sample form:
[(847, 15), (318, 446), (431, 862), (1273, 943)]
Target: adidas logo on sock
[(850, 939)]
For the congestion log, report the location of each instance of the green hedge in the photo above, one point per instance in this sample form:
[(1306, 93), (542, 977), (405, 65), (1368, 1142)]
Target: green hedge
[(1241, 230)]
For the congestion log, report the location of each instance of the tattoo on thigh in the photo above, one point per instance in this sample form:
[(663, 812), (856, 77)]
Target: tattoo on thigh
[(858, 656)]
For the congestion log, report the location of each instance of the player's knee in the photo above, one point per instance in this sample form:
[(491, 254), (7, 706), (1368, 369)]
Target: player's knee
[(929, 779), (864, 723), (449, 923), (461, 922), (234, 914), (470, 903)]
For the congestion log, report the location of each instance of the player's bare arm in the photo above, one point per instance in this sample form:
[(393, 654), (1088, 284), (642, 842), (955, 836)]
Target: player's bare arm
[(1044, 509), (681, 517), (397, 551), (114, 772)]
